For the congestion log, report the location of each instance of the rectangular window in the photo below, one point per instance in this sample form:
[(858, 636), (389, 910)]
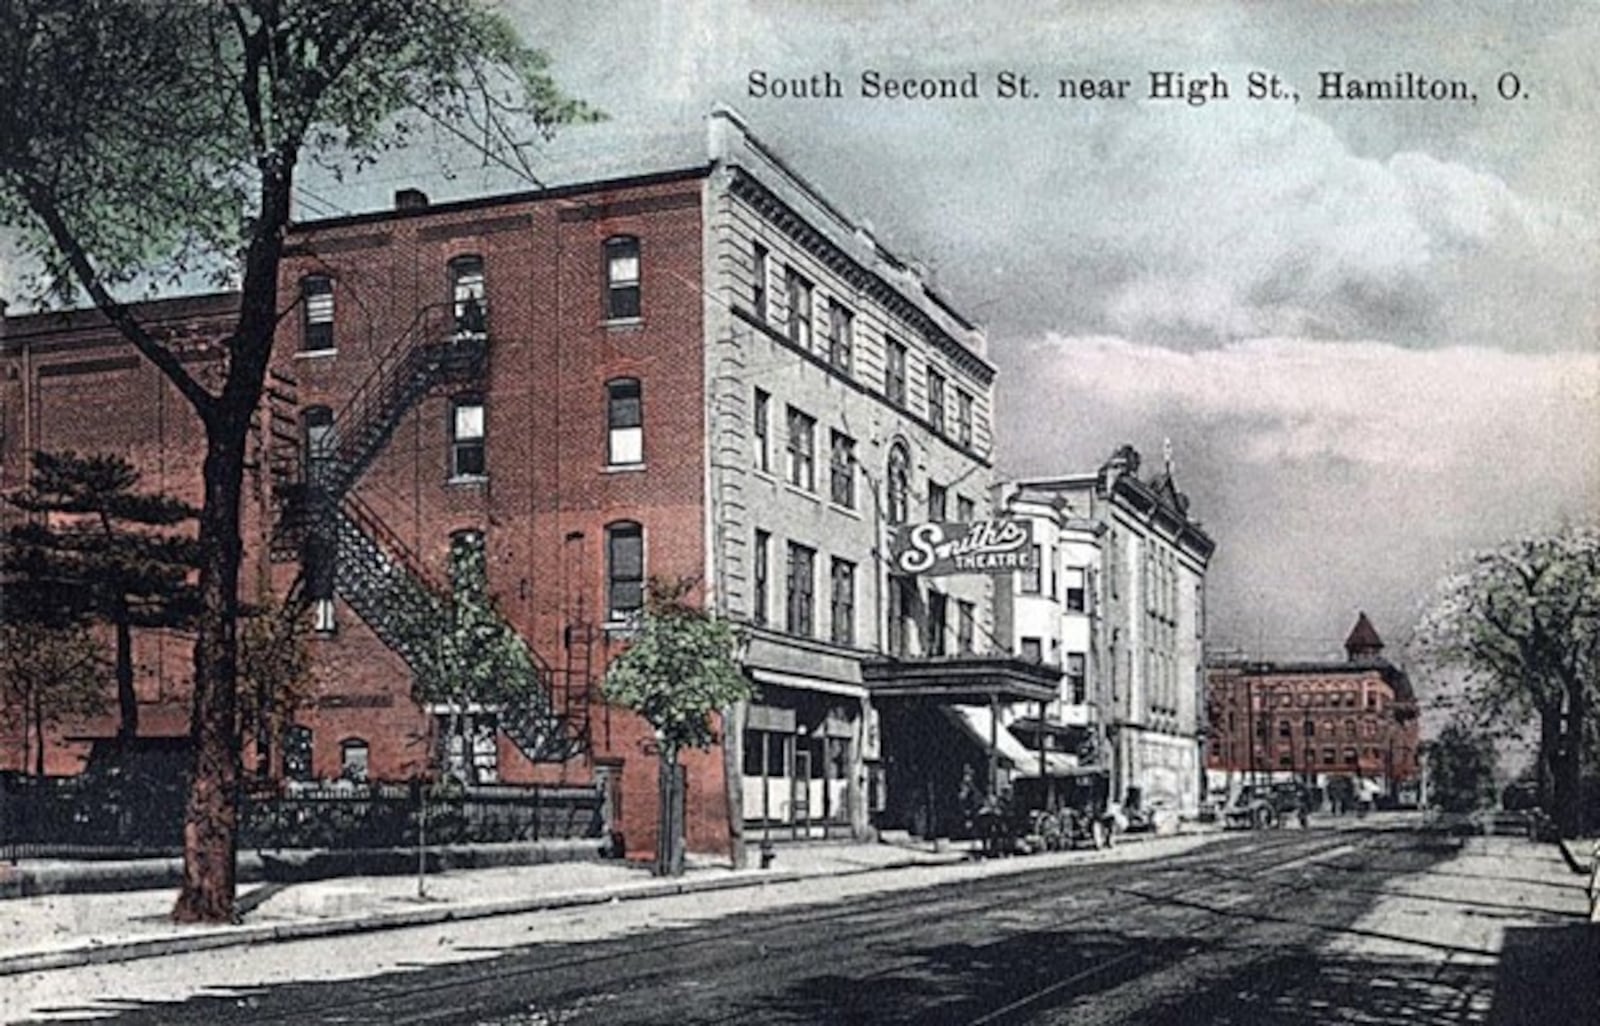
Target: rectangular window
[(802, 450), (758, 282), (965, 509), (964, 418), (1032, 650), (966, 626), (762, 430), (1077, 594), (624, 570), (467, 457), (938, 612), (842, 470), (801, 584), (938, 502), (894, 383), (799, 290), (625, 423), (322, 620), (844, 602), (760, 574), (841, 335), (936, 401), (622, 279), (1077, 678), (902, 600), (316, 293), (1030, 577)]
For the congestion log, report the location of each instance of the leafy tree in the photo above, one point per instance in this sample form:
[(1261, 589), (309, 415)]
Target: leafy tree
[(48, 675), (109, 549), (134, 132), (479, 661), (1461, 766), (1522, 624), (274, 672), (680, 672)]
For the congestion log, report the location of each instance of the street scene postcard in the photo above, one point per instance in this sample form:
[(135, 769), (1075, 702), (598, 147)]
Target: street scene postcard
[(958, 512)]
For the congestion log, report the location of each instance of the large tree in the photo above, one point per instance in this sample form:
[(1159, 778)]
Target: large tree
[(1521, 624), (681, 673), (137, 134), (123, 554)]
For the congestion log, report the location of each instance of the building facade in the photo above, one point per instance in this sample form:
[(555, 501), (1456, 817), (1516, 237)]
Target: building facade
[(701, 372), (1347, 727), (1118, 610)]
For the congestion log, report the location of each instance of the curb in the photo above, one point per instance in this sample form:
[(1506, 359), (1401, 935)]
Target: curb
[(249, 936), (156, 947)]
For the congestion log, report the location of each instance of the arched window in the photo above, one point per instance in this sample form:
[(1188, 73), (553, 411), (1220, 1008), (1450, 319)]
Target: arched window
[(317, 421), (622, 278), (624, 569), (316, 297), (470, 302), (898, 484), (624, 422), (354, 759)]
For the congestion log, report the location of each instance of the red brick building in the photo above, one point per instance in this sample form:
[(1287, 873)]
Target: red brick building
[(1353, 722), (587, 386)]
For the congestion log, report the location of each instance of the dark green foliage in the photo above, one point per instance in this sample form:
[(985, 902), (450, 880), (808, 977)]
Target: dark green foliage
[(48, 675), (100, 550), (1461, 765)]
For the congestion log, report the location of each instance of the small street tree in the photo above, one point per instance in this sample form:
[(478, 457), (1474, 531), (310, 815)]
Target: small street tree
[(1461, 766), (477, 666), (1522, 624), (680, 672), (141, 138), (48, 675), (112, 547), (274, 672)]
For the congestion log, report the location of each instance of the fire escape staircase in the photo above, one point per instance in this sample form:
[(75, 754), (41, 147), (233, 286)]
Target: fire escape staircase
[(344, 547)]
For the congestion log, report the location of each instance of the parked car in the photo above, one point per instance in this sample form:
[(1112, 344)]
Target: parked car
[(1264, 805)]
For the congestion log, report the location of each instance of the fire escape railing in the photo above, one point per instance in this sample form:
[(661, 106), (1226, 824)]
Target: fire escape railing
[(347, 548)]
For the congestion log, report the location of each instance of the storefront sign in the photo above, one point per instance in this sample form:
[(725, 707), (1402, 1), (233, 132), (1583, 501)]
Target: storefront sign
[(979, 547)]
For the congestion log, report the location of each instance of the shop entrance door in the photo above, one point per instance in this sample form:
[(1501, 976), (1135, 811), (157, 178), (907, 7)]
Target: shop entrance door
[(800, 793)]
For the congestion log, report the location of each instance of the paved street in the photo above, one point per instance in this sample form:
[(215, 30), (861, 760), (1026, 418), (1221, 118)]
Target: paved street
[(1328, 925)]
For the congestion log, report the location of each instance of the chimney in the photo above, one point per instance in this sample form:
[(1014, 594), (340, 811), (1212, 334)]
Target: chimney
[(410, 199)]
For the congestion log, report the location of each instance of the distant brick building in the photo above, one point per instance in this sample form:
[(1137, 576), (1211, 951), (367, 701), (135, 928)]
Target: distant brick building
[(1351, 724), (701, 371)]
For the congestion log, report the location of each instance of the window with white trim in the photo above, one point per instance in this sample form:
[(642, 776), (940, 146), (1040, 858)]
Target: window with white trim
[(467, 451), (624, 570), (622, 278), (316, 295)]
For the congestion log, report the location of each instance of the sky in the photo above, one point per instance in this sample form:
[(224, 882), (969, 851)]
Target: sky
[(1369, 329)]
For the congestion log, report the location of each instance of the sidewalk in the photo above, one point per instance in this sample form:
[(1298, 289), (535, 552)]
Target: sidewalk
[(63, 930), (59, 930)]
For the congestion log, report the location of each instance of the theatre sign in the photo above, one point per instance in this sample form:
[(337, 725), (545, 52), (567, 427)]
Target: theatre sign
[(977, 547)]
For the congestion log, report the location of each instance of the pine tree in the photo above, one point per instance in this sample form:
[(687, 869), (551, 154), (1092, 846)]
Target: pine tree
[(102, 551)]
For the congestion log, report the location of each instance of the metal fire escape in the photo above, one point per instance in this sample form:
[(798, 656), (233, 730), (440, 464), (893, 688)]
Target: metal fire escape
[(345, 548)]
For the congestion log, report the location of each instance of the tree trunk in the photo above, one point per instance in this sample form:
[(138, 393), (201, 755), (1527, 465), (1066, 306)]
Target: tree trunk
[(127, 697), (38, 735), (1569, 765), (210, 817)]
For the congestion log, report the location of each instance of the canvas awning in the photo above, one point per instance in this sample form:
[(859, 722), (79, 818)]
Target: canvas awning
[(978, 723)]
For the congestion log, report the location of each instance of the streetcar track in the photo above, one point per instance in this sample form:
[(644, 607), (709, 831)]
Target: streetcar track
[(884, 912)]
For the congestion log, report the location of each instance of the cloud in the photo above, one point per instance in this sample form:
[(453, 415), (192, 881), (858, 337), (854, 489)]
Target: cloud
[(1335, 476)]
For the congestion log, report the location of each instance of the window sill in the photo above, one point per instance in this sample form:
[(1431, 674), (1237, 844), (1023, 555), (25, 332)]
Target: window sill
[(623, 468), (622, 323), (620, 628), (794, 489), (466, 481), (849, 511), (316, 354)]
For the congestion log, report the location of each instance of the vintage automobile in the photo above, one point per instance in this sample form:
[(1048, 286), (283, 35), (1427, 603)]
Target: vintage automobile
[(1051, 814), (1258, 806)]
